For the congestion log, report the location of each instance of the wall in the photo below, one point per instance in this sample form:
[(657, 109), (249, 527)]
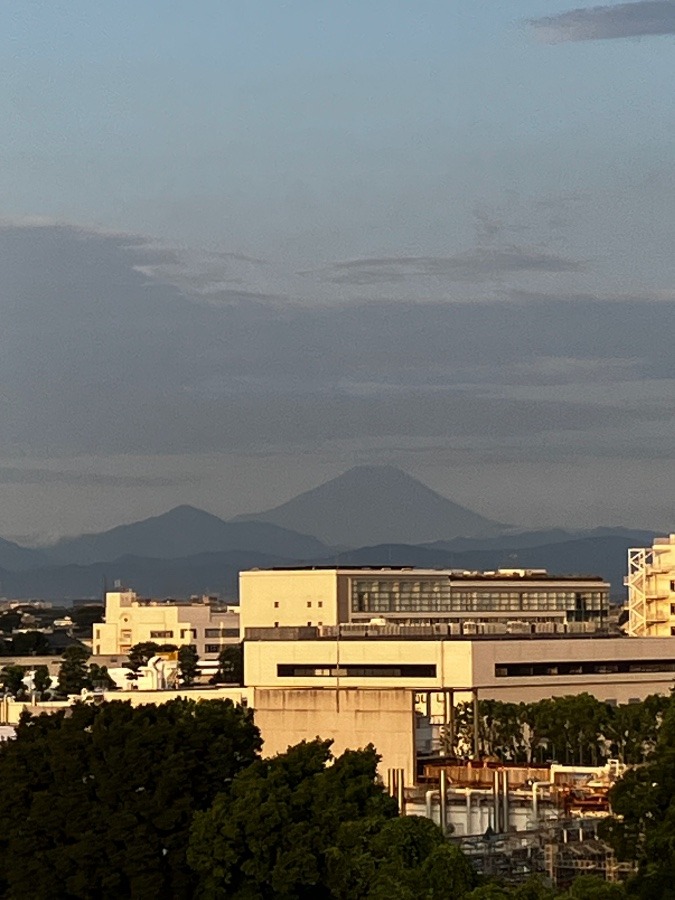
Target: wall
[(351, 717), (292, 598)]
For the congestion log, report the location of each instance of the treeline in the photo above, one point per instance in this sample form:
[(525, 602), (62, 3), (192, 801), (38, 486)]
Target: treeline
[(574, 730), (108, 801), (77, 674)]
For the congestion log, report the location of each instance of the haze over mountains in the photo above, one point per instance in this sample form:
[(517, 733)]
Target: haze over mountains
[(367, 516)]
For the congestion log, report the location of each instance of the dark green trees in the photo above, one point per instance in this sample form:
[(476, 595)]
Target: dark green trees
[(73, 674), (188, 664), (305, 825), (98, 800), (643, 829), (231, 665)]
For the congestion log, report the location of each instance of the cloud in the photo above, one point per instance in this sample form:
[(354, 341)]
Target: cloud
[(625, 20), (98, 358), (18, 475), (480, 264)]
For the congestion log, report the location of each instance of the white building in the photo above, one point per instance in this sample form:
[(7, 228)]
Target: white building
[(130, 620), (515, 600), (651, 589)]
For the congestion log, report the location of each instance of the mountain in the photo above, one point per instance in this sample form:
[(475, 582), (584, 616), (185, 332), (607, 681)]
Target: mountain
[(184, 531), (605, 556), (527, 539), (203, 573), (375, 505), (15, 558), (219, 572)]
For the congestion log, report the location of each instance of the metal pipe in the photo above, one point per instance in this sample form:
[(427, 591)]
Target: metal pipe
[(442, 800), (400, 795), (428, 804), (495, 800), (535, 797), (505, 799), (451, 719)]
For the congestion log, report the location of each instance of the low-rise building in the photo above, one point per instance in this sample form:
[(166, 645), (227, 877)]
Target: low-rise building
[(131, 620), (524, 598), (651, 589)]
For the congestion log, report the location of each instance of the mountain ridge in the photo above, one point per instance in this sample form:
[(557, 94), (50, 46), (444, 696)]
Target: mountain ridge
[(373, 505)]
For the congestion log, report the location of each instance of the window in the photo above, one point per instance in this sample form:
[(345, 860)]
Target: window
[(326, 670), (276, 624), (309, 604), (672, 587), (221, 633), (188, 632), (320, 604), (587, 667), (276, 604), (161, 634), (212, 648)]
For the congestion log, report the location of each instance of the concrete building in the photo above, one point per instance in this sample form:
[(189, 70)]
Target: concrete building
[(131, 620), (379, 687), (651, 589), (518, 600)]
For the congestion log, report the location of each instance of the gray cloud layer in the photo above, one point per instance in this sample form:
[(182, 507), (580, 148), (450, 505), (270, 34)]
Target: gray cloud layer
[(624, 20), (97, 358), (481, 264)]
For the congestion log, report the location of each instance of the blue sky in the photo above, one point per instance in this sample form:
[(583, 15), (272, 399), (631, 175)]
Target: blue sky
[(342, 155)]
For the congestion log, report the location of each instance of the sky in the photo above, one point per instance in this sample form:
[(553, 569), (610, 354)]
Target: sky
[(246, 246)]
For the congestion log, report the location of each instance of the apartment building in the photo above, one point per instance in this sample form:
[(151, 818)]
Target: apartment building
[(131, 620), (651, 589)]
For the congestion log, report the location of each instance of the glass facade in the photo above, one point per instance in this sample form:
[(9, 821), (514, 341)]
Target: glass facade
[(442, 595)]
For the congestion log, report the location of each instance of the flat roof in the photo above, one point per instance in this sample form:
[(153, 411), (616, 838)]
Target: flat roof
[(458, 574)]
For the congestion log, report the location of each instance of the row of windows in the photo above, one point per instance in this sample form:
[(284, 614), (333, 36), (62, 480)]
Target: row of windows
[(364, 601), (326, 670), (588, 667), (319, 604), (192, 633)]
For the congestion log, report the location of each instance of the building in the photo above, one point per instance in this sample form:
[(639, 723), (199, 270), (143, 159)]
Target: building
[(651, 589), (130, 620), (517, 600)]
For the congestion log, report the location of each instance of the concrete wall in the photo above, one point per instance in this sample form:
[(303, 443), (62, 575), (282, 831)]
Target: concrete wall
[(463, 665), (351, 718), (288, 598)]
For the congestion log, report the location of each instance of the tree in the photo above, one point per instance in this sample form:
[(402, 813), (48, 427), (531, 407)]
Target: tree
[(98, 678), (30, 643), (11, 678), (231, 665), (98, 799), (85, 616), (643, 826), (73, 674), (9, 621), (284, 830), (145, 650), (41, 680), (188, 664)]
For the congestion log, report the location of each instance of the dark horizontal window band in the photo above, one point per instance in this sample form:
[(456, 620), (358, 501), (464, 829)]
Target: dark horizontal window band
[(326, 670), (595, 667)]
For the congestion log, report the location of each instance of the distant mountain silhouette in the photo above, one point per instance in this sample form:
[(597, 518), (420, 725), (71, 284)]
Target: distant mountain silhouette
[(605, 556), (15, 558), (219, 572), (183, 531), (527, 539), (375, 505)]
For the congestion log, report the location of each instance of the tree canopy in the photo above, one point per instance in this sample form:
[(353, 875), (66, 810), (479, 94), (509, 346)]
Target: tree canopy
[(98, 799)]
